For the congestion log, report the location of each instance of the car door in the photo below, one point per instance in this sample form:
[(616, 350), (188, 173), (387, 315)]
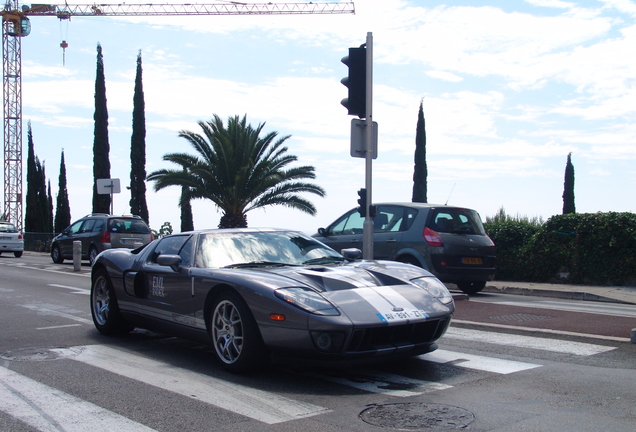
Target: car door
[(387, 231), (345, 232), (66, 238), (162, 292)]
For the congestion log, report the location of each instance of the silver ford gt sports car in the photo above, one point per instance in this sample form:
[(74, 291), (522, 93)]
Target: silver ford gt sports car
[(269, 294)]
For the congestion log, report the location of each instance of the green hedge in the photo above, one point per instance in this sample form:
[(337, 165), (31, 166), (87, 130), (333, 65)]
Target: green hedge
[(590, 248)]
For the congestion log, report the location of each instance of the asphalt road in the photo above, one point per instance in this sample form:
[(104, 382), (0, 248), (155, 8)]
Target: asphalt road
[(505, 364)]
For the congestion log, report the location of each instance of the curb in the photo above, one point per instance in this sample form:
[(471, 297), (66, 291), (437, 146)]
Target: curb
[(569, 295)]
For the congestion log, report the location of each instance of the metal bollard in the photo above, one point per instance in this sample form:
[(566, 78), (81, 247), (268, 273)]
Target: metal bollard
[(634, 336), (77, 255)]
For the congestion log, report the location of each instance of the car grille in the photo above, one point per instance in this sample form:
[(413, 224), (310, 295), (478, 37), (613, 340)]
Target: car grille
[(375, 338)]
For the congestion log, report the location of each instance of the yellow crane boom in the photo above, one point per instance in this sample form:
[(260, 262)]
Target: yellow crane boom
[(15, 25)]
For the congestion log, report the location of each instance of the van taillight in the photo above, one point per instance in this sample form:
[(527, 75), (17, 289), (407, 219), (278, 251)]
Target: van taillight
[(432, 238), (106, 237)]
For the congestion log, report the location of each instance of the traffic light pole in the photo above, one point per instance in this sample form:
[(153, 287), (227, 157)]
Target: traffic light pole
[(367, 227)]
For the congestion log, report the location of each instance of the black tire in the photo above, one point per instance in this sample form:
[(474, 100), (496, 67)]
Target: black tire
[(104, 308), (56, 255), (92, 254), (237, 341), (471, 287), (17, 254)]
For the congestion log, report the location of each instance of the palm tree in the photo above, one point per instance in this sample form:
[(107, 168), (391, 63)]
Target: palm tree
[(238, 170)]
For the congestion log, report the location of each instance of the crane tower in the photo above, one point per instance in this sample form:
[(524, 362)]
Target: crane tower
[(16, 24)]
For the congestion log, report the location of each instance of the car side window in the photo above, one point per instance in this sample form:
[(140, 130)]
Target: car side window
[(87, 226), (74, 229), (389, 219), (351, 223), (99, 224), (172, 245)]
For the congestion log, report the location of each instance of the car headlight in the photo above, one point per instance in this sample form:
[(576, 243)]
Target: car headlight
[(435, 287), (307, 300)]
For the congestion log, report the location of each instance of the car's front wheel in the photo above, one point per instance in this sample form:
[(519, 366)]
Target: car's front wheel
[(237, 341), (471, 287), (104, 308), (56, 255)]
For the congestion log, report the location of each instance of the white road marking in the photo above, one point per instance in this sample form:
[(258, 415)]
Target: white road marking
[(50, 410), (476, 362), (58, 313), (76, 290), (520, 341), (598, 308), (57, 327), (388, 384), (256, 404), (540, 330)]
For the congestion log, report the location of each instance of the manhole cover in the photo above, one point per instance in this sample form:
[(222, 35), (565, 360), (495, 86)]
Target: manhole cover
[(39, 354), (520, 317), (417, 416)]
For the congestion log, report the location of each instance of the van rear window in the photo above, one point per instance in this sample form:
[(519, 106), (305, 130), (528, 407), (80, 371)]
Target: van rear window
[(456, 221), (134, 226)]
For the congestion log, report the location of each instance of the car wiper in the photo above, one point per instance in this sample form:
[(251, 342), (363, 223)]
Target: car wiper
[(258, 264), (325, 259)]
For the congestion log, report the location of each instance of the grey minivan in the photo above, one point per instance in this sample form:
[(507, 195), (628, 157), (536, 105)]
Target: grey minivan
[(448, 241), (99, 231)]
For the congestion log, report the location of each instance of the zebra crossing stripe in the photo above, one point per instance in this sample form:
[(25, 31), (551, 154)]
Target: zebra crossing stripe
[(532, 342), (50, 410), (388, 384), (257, 404), (476, 362)]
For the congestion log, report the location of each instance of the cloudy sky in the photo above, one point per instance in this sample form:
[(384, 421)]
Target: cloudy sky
[(509, 88)]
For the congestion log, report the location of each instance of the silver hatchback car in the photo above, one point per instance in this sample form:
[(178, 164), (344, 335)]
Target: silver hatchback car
[(98, 232), (448, 241)]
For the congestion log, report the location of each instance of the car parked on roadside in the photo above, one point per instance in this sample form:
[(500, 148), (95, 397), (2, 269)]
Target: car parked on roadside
[(448, 241), (268, 294), (98, 232), (11, 240)]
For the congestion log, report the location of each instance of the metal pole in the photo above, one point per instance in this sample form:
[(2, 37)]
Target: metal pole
[(367, 228)]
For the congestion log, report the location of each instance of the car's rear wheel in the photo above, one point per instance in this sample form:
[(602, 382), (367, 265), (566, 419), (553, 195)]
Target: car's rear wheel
[(104, 308), (17, 254), (471, 287), (92, 254), (56, 255), (235, 335)]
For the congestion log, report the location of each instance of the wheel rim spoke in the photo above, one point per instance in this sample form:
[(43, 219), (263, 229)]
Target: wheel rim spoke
[(227, 332)]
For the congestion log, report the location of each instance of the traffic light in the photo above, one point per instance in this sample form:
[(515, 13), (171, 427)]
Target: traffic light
[(356, 82), (362, 202)]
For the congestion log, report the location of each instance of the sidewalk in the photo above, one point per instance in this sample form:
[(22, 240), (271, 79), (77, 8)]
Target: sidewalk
[(614, 294)]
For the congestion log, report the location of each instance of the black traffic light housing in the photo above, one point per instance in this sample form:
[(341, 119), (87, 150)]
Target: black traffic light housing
[(356, 82), (362, 202)]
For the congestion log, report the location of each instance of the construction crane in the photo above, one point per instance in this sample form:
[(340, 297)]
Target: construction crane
[(16, 24)]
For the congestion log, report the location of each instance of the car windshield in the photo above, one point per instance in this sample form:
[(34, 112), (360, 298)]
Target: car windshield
[(264, 248), (8, 228)]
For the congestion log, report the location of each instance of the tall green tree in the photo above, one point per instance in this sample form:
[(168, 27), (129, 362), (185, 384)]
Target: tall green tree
[(420, 171), (101, 147), (187, 222), (568, 187), (138, 204), (63, 208), (31, 211), (238, 170), (49, 213), (38, 214)]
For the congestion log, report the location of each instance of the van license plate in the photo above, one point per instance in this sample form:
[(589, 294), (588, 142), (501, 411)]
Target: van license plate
[(473, 261)]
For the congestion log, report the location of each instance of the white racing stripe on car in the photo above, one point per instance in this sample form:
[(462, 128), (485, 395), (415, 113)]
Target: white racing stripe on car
[(476, 362), (532, 342), (253, 403), (51, 410), (391, 306)]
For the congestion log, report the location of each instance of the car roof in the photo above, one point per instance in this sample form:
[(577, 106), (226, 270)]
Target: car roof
[(420, 205), (238, 230)]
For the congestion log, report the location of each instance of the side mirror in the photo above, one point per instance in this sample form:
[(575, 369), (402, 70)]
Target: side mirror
[(351, 254), (323, 232), (172, 261)]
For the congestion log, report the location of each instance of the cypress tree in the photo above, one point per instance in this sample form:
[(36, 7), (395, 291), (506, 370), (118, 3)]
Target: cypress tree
[(31, 213), (420, 171), (41, 199), (101, 147), (568, 187), (138, 204), (49, 210), (63, 208)]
